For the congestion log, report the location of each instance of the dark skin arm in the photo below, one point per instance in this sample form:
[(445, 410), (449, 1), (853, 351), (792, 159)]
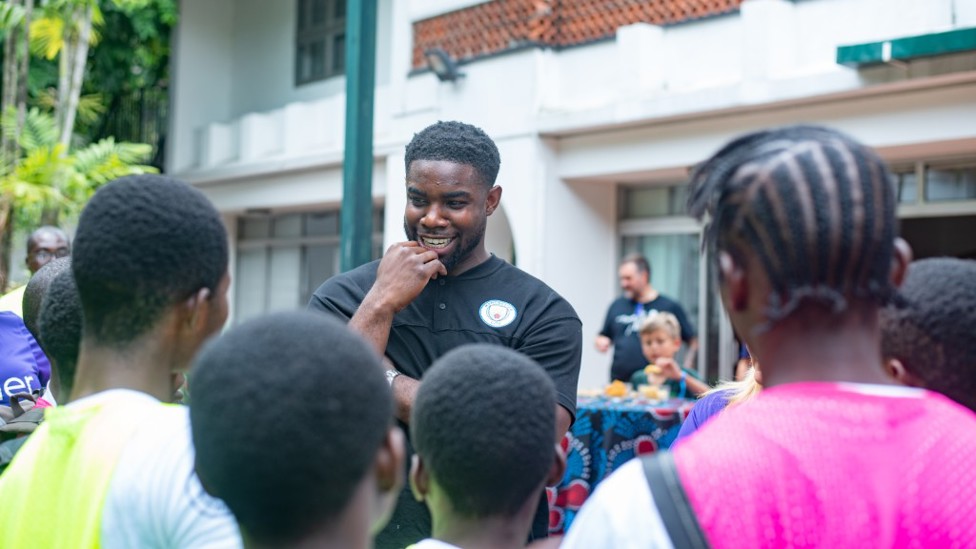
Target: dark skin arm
[(563, 421), (403, 273)]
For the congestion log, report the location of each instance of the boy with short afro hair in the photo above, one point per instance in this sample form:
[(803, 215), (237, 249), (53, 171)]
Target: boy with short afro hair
[(114, 467), (928, 338), (482, 429), (59, 325), (292, 422)]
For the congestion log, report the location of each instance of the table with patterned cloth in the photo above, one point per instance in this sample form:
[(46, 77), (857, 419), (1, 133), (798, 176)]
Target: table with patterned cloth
[(608, 432)]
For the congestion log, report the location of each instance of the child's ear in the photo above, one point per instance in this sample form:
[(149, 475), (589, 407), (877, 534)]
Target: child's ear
[(388, 468), (197, 308), (899, 373), (732, 275), (558, 468), (419, 479)]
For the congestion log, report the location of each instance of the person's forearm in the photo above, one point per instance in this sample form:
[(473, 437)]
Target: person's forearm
[(373, 321), (404, 392)]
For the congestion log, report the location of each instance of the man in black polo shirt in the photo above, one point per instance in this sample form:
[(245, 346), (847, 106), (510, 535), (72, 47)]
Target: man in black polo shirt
[(441, 289), (621, 329)]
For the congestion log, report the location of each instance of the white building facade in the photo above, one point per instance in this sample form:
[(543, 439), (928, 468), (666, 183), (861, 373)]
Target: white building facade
[(597, 129)]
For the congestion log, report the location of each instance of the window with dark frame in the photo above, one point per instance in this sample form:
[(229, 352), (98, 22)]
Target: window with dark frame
[(320, 40)]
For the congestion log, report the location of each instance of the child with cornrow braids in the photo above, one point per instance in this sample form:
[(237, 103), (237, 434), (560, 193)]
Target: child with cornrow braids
[(830, 453)]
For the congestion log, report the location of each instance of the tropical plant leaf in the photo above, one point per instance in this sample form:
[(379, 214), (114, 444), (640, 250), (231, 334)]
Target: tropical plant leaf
[(106, 160), (47, 36), (44, 165), (91, 106), (30, 193), (10, 16), (39, 130)]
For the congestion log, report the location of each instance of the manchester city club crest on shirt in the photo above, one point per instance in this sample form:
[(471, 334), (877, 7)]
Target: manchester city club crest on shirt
[(497, 313)]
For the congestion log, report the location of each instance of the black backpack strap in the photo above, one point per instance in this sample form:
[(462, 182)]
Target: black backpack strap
[(672, 501)]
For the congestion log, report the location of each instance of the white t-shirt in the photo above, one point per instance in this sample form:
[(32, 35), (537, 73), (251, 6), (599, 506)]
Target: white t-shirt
[(156, 500), (431, 543), (621, 514)]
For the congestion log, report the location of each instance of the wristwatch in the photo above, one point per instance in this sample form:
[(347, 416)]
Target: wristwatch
[(391, 375)]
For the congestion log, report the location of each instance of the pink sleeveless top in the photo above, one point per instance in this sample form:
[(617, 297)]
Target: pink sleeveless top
[(835, 465)]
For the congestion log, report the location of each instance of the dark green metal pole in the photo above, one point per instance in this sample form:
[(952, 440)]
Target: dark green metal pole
[(357, 180)]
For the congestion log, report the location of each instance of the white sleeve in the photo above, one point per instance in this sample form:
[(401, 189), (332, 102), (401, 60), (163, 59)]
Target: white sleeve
[(155, 500), (620, 514)]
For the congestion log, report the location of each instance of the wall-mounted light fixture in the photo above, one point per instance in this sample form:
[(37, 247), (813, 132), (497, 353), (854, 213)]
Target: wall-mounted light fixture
[(443, 65)]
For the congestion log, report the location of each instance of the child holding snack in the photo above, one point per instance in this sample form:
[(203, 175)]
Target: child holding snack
[(660, 337)]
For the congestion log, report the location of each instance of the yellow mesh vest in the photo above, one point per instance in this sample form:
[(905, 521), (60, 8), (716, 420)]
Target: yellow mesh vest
[(53, 492)]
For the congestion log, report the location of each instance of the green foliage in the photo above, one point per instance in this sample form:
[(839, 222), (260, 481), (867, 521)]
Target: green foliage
[(135, 54), (47, 177), (106, 160), (129, 54), (47, 37), (10, 16), (91, 106), (39, 129)]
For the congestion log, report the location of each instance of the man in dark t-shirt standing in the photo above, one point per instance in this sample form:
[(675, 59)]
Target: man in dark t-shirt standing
[(441, 289), (621, 329)]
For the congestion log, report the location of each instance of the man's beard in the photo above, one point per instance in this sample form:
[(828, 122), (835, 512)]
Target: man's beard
[(466, 244)]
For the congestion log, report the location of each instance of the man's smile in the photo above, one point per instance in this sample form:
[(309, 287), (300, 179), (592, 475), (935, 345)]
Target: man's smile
[(435, 242)]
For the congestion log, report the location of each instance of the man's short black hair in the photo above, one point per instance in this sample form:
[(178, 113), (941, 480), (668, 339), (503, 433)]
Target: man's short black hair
[(35, 290), (144, 243), (483, 422), (932, 329), (288, 412), (459, 143), (60, 327)]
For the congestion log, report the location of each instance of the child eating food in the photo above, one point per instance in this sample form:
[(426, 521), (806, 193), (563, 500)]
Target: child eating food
[(660, 337)]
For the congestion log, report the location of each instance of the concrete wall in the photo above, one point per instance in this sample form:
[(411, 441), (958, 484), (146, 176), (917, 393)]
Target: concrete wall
[(202, 85)]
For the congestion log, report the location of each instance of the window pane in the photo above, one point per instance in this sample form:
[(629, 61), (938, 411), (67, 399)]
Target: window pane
[(958, 184), (283, 289), (678, 196), (303, 64), (378, 220), (250, 284), (316, 59), (252, 228), (303, 6), (655, 202), (321, 263), (652, 202), (339, 54), (318, 12), (288, 226), (322, 224), (905, 186)]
